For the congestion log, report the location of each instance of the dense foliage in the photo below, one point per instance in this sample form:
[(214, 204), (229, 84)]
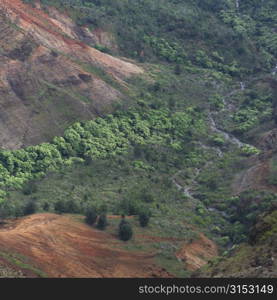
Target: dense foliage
[(204, 58), (172, 30), (101, 138)]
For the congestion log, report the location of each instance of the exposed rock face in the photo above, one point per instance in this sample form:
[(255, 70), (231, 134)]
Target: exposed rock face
[(49, 78)]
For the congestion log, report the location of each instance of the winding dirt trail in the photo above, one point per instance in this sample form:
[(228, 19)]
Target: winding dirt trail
[(63, 247)]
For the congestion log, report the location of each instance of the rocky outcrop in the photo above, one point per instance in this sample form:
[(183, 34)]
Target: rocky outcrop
[(50, 78)]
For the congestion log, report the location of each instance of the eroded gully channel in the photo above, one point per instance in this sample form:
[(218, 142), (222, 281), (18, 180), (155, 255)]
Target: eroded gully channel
[(188, 189)]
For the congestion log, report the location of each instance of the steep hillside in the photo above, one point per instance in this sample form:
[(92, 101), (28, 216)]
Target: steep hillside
[(49, 78), (192, 151), (60, 246)]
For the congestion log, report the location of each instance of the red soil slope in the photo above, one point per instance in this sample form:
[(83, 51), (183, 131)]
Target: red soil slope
[(198, 253), (63, 247), (50, 78), (49, 33)]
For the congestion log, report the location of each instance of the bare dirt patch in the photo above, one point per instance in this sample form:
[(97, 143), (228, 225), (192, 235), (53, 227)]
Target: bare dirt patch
[(198, 253), (63, 247)]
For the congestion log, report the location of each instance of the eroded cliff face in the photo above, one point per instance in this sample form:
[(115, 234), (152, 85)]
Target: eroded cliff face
[(49, 76)]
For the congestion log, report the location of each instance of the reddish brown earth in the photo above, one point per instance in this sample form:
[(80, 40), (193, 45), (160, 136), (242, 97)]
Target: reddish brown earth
[(53, 34), (49, 75), (63, 247), (194, 255), (198, 253)]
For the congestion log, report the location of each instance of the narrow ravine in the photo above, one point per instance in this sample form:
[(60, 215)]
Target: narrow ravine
[(227, 136), (213, 126), (188, 189)]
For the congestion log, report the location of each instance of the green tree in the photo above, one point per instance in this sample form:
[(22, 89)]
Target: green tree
[(60, 207), (102, 222), (30, 208), (144, 218), (103, 209), (72, 206), (91, 216), (29, 188), (125, 230)]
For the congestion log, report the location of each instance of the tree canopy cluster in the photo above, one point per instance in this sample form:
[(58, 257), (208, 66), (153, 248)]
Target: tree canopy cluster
[(100, 138)]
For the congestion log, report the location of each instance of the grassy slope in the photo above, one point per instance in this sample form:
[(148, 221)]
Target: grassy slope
[(199, 84)]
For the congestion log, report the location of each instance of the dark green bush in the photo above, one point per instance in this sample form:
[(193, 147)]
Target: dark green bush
[(102, 222), (91, 216), (144, 219), (30, 208), (125, 230)]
